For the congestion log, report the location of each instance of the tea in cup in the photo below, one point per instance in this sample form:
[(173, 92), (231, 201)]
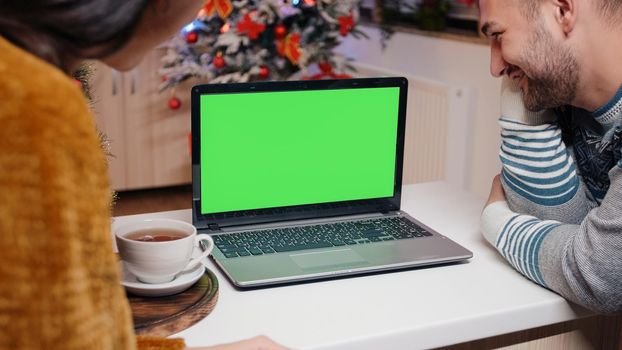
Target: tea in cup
[(157, 250)]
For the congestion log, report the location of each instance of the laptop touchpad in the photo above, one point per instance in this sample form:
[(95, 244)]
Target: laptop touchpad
[(333, 258)]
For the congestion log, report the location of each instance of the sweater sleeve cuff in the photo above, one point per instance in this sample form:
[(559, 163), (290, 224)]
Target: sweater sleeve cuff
[(493, 218), (513, 107)]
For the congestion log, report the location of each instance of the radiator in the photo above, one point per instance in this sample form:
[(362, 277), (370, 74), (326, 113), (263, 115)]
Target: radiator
[(437, 132)]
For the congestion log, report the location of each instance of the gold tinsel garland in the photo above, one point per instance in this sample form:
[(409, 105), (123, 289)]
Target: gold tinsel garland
[(83, 75)]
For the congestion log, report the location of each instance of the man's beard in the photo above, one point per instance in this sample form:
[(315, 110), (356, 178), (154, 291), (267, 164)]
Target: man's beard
[(554, 72)]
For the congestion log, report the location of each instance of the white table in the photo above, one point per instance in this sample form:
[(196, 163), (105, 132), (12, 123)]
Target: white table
[(421, 308)]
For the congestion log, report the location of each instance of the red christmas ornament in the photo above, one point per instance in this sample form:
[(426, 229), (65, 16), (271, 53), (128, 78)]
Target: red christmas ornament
[(192, 37), (346, 24), (264, 72), (325, 67), (326, 72), (280, 31), (219, 62), (174, 103)]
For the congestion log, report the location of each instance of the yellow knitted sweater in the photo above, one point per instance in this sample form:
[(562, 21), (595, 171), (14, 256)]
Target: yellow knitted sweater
[(59, 283)]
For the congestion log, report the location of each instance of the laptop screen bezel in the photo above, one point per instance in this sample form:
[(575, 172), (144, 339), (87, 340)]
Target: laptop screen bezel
[(297, 212)]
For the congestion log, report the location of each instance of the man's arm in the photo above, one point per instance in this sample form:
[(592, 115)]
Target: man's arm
[(581, 262), (539, 174)]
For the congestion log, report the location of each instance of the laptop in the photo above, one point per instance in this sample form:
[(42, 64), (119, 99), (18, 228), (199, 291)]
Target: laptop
[(302, 180)]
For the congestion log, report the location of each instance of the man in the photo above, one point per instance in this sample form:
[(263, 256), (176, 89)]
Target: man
[(555, 211)]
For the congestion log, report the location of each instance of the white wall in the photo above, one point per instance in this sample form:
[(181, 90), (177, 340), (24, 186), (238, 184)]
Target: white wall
[(452, 62)]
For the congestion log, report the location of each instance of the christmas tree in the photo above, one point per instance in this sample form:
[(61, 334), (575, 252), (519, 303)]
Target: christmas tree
[(241, 41)]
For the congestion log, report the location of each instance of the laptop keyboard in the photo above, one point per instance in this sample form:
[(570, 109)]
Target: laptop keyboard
[(297, 238)]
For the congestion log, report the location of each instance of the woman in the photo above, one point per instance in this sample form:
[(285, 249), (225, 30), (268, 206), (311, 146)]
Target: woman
[(59, 286)]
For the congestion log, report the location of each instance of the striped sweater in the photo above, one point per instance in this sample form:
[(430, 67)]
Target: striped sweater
[(561, 226)]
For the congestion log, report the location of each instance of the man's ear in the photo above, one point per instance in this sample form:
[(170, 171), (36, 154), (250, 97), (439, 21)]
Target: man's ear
[(565, 14)]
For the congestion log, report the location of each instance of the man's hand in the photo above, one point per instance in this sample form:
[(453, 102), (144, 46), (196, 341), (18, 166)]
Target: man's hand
[(256, 343), (496, 191), (513, 107)]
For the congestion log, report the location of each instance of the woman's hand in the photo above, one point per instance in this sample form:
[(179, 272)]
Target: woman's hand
[(256, 343)]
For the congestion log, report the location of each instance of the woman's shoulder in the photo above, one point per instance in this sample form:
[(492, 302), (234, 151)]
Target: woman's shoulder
[(39, 101)]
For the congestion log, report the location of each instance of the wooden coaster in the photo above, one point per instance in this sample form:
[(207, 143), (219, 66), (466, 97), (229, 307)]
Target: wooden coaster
[(163, 316)]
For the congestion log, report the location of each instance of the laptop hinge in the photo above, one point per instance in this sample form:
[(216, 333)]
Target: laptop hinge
[(213, 227), (385, 210)]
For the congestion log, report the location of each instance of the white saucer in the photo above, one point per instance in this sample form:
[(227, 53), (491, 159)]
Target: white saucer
[(179, 284)]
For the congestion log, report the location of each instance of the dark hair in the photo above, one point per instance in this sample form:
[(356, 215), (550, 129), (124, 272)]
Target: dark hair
[(54, 30), (609, 9)]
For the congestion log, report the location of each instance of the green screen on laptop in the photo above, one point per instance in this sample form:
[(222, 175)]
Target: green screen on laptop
[(276, 149)]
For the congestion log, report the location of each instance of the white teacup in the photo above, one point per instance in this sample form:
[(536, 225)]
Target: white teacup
[(166, 254)]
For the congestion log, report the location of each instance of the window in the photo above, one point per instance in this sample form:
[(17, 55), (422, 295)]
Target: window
[(437, 15)]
